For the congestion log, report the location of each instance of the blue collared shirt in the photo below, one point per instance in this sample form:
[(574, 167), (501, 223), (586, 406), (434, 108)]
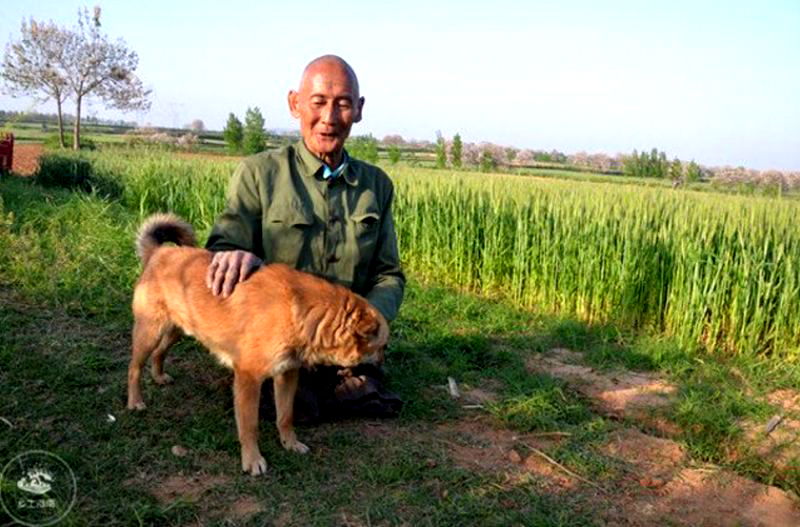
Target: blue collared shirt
[(330, 175)]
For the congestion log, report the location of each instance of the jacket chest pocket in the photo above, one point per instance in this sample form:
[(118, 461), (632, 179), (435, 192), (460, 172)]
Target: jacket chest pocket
[(288, 232), (365, 229)]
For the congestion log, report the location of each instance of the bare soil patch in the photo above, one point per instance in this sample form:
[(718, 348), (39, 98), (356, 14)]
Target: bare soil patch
[(244, 507), (26, 158), (619, 394), (476, 445), (777, 440), (659, 485), (707, 497), (189, 488)]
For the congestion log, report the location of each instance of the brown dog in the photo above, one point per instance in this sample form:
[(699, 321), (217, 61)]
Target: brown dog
[(275, 322)]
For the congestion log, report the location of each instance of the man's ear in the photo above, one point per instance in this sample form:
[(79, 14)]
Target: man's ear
[(359, 110), (292, 98)]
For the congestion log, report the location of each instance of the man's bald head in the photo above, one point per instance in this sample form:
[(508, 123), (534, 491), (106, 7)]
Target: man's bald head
[(327, 103), (325, 62)]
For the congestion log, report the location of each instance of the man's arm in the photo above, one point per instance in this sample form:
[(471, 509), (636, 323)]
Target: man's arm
[(236, 237), (389, 281)]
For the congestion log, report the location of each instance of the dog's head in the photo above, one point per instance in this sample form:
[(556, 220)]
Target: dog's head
[(353, 336), (372, 336)]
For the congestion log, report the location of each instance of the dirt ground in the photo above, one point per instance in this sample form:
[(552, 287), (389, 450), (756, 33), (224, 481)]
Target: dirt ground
[(26, 158), (660, 485)]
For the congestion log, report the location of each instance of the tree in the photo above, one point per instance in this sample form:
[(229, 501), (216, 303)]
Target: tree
[(394, 154), (642, 164), (94, 66), (197, 126), (525, 157), (441, 151), (511, 154), (488, 163), (396, 140), (455, 151), (254, 135), (364, 147), (34, 65), (233, 134), (693, 172), (676, 170)]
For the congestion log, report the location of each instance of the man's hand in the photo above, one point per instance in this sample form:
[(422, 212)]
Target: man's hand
[(228, 268)]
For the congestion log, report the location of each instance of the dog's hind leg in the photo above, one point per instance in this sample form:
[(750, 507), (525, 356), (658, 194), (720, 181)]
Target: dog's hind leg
[(147, 334), (246, 394), (285, 385), (168, 338)]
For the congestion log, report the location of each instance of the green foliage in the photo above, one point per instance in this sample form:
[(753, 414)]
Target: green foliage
[(539, 404), (52, 142), (676, 170), (511, 154), (364, 147), (254, 137), (456, 151), (233, 134), (646, 165), (487, 162), (394, 154), (73, 171), (693, 172), (441, 151)]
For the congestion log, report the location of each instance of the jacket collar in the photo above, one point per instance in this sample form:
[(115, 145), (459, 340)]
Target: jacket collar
[(312, 165)]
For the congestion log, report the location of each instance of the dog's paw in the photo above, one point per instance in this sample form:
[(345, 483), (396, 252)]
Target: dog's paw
[(164, 378), (256, 465), (296, 446), (137, 405)]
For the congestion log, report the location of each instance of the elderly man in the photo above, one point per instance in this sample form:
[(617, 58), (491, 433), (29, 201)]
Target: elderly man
[(315, 208)]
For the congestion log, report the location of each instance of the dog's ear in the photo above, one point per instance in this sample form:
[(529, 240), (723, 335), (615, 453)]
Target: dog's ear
[(308, 320), (367, 325)]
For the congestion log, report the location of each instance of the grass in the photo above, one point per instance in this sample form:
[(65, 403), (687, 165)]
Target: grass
[(66, 273)]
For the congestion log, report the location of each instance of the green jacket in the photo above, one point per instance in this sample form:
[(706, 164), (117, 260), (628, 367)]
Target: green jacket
[(280, 209)]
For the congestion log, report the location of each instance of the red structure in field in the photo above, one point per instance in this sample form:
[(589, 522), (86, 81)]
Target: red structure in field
[(6, 152)]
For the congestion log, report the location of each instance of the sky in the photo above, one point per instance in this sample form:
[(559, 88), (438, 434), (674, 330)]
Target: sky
[(713, 81)]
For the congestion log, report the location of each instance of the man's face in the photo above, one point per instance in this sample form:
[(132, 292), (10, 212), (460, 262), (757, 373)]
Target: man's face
[(327, 105)]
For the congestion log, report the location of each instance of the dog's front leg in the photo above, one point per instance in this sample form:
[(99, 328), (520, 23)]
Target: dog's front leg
[(246, 393), (285, 388)]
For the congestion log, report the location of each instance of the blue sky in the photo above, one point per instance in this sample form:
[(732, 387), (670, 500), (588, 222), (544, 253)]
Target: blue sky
[(714, 81)]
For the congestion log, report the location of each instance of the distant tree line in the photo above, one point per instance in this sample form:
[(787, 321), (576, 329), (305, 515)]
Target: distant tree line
[(51, 118), (654, 164)]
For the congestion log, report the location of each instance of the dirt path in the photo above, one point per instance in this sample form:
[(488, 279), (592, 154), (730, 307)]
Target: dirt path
[(26, 158)]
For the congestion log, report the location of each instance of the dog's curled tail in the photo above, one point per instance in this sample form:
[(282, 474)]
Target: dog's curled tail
[(159, 229)]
